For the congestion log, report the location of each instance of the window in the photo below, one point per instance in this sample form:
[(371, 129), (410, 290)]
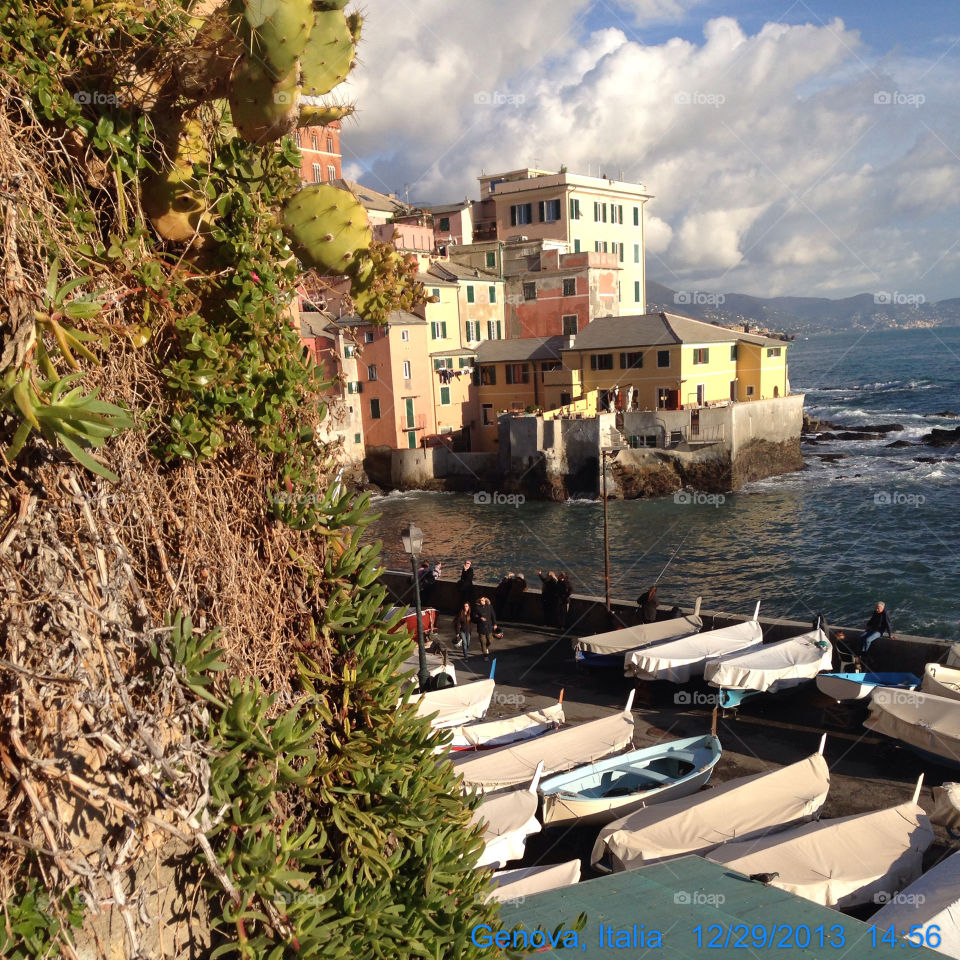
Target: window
[(549, 211), (701, 355), (444, 396), (317, 176), (601, 361), (636, 291), (492, 294), (547, 366), (315, 143), (329, 144), (470, 293), (599, 212), (444, 224), (598, 246), (374, 409), (488, 375), (493, 329), (354, 386), (372, 371), (636, 216), (356, 438), (574, 208), (296, 133), (486, 415), (521, 213), (733, 352), (616, 213), (412, 440), (620, 251), (463, 362), (750, 391), (636, 253), (631, 361), (530, 291), (663, 358), (435, 292), (331, 172), (774, 351), (438, 330), (349, 352), (491, 259), (570, 323), (518, 373), (570, 287), (368, 336), (442, 364), (406, 370), (473, 330), (405, 335)]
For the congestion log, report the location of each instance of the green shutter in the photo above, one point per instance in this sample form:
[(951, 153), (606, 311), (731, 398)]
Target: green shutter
[(443, 329), (493, 294), (499, 333), (576, 245), (469, 293), (491, 259), (445, 395)]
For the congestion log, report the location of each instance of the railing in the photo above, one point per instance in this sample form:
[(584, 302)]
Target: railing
[(419, 422)]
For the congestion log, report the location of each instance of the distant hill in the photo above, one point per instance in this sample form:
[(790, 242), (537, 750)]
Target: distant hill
[(798, 315)]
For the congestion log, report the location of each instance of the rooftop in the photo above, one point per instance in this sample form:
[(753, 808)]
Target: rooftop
[(372, 199), (517, 181), (451, 270), (398, 318), (526, 348), (655, 329)]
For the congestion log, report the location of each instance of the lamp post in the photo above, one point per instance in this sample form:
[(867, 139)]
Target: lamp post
[(606, 535), (412, 539)]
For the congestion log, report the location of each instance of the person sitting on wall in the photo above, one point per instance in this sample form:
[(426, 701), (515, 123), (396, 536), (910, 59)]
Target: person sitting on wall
[(647, 602), (877, 626), (518, 586), (501, 594), (564, 592), (465, 583), (548, 594)]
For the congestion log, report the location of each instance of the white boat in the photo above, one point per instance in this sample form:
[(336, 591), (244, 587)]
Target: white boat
[(490, 734), (941, 681), (933, 900), (507, 820), (526, 881), (608, 649), (561, 750), (454, 706), (946, 807), (611, 788), (678, 661), (842, 863), (770, 668), (953, 655), (737, 810), (860, 686), (928, 724)]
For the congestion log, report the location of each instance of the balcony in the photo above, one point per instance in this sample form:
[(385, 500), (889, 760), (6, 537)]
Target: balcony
[(419, 423)]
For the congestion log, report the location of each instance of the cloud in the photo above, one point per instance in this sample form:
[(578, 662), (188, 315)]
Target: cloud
[(775, 166)]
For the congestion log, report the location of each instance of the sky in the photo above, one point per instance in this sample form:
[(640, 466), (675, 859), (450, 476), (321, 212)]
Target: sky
[(806, 148)]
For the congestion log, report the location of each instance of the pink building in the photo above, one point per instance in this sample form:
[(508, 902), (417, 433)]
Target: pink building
[(320, 147)]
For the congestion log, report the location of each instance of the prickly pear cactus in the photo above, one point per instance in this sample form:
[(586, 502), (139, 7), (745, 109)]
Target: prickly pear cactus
[(327, 227)]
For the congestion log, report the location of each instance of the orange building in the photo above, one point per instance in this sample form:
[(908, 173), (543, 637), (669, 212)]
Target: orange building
[(320, 148)]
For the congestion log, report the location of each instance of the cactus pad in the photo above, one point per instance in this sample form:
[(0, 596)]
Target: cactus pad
[(327, 57), (329, 4), (326, 226), (320, 114), (262, 109), (274, 32)]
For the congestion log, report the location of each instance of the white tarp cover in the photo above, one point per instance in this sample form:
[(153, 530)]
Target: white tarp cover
[(772, 666), (453, 706), (680, 660), (839, 863), (918, 719), (941, 681), (933, 899), (953, 655), (643, 634), (561, 750), (738, 810), (946, 806), (496, 733), (526, 881), (509, 819)]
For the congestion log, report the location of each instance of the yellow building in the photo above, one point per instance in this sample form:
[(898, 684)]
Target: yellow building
[(482, 297), (673, 362), (592, 214)]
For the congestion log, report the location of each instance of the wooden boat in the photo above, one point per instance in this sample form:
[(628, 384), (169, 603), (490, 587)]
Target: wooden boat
[(526, 881), (454, 706), (860, 686), (490, 734), (611, 788), (608, 649), (770, 668), (927, 724), (934, 899), (507, 820), (842, 863), (740, 809), (680, 660), (941, 681), (561, 750)]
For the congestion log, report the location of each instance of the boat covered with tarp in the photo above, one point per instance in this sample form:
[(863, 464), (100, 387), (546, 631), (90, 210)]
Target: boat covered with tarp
[(526, 881), (454, 706), (490, 734), (679, 661), (507, 820), (941, 681), (927, 724), (608, 649), (740, 809), (770, 668), (860, 686)]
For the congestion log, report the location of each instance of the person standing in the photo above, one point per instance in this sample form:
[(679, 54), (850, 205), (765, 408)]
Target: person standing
[(564, 592), (877, 626), (427, 575), (461, 626), (486, 620), (548, 594), (465, 583)]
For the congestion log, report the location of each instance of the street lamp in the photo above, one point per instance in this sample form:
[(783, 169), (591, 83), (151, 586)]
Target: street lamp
[(606, 533), (412, 539)]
